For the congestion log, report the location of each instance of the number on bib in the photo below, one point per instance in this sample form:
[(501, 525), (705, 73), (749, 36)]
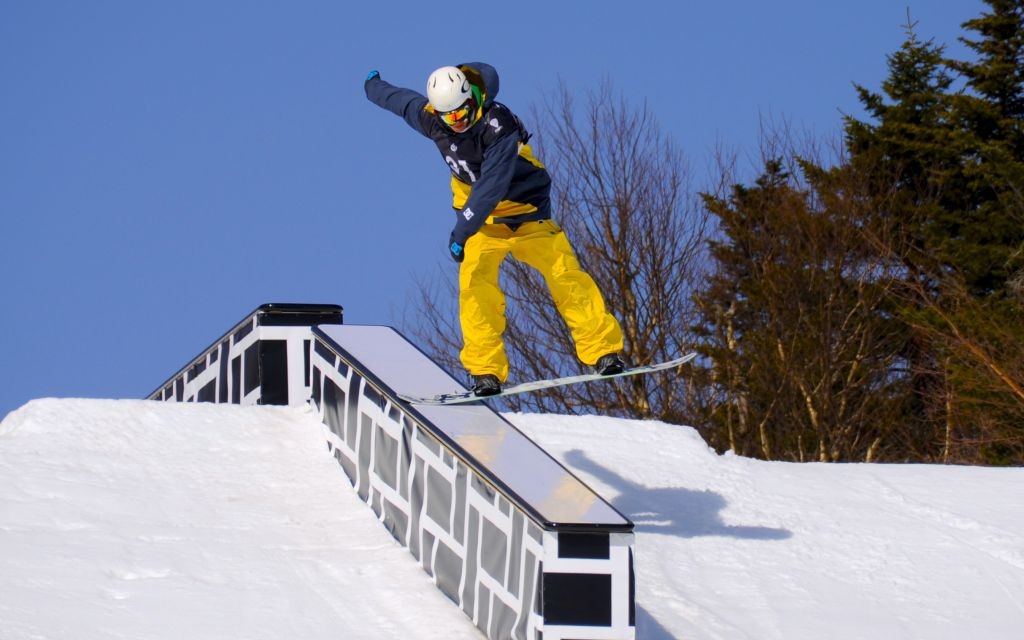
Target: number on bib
[(455, 167)]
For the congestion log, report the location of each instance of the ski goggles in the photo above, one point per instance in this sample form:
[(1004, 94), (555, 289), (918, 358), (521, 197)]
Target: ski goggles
[(456, 116)]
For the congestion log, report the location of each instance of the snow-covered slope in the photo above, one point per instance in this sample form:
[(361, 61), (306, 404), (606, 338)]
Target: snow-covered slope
[(147, 520), (729, 547), (135, 519)]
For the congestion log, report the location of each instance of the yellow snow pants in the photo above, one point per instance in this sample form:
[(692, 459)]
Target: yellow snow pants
[(543, 246)]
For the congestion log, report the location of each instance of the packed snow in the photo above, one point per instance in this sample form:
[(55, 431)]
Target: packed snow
[(139, 519), (136, 519), (729, 547)]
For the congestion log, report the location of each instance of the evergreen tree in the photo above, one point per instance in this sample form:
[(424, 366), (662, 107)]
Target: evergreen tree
[(983, 310), (801, 355), (945, 169), (954, 158), (907, 158), (922, 258), (990, 241), (997, 76), (908, 150)]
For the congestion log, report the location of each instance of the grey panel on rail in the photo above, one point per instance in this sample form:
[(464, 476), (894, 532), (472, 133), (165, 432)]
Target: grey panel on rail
[(493, 444)]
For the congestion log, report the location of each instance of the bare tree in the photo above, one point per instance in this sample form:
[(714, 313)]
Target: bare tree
[(624, 195)]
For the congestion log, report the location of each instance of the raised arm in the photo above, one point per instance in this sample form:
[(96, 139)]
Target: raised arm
[(404, 103)]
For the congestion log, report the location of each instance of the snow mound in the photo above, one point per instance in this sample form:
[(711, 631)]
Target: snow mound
[(150, 520), (729, 547), (159, 521)]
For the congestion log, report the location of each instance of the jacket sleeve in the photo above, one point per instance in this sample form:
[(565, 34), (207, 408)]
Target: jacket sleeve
[(405, 103), (495, 177)]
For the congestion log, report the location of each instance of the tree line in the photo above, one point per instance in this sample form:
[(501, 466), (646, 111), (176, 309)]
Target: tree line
[(858, 301)]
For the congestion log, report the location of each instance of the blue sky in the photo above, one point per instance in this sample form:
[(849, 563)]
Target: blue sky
[(165, 168)]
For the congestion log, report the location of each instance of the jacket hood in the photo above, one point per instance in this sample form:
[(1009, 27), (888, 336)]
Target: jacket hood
[(483, 76)]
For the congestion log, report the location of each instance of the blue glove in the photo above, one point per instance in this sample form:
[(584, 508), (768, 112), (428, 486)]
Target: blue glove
[(373, 74), (456, 248)]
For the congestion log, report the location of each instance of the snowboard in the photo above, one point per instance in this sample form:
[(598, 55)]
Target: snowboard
[(458, 397)]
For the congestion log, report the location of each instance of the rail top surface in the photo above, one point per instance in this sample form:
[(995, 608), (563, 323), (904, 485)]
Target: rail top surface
[(489, 443)]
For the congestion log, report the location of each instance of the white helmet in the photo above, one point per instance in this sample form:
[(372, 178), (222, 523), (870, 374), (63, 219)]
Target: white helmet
[(448, 89)]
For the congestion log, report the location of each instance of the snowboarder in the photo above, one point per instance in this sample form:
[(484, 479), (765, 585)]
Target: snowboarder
[(501, 197)]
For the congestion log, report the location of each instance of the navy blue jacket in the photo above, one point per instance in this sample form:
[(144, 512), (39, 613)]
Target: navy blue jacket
[(494, 174)]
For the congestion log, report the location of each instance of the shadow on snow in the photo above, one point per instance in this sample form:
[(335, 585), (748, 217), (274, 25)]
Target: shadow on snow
[(672, 511), (669, 511)]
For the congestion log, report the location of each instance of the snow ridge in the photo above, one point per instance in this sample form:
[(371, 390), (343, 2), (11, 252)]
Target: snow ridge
[(145, 519)]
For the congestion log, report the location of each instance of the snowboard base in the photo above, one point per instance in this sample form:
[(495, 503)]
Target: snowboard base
[(468, 396)]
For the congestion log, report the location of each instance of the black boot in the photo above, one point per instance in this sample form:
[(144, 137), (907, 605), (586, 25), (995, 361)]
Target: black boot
[(609, 364), (486, 385)]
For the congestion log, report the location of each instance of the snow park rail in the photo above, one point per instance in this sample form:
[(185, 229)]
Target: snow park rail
[(520, 544)]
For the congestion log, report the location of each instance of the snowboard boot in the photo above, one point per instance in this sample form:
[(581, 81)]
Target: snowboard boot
[(486, 385), (609, 364)]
